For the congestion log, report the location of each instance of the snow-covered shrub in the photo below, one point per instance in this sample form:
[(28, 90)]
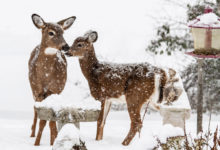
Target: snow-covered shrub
[(69, 139), (209, 141)]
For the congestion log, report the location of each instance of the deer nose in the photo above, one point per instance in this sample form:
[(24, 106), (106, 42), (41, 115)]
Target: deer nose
[(65, 47)]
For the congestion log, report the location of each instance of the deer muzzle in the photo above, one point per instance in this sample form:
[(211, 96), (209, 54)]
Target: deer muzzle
[(65, 47)]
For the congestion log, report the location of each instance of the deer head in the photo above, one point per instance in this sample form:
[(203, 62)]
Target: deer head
[(52, 33), (84, 44)]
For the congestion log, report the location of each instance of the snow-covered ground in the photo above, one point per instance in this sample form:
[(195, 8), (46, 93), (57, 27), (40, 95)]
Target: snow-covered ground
[(15, 131)]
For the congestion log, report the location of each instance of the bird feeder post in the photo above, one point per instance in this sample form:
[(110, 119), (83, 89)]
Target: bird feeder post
[(206, 35), (200, 95)]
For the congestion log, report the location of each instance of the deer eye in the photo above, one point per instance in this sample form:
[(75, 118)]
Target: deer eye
[(79, 45), (51, 33)]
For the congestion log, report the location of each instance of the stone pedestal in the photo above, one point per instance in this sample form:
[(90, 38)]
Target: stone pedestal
[(67, 115), (175, 116)]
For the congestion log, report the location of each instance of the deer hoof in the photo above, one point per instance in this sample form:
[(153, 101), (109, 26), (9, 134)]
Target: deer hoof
[(37, 143), (32, 135), (98, 139), (125, 143)]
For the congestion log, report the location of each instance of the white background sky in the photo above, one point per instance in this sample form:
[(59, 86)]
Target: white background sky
[(122, 24)]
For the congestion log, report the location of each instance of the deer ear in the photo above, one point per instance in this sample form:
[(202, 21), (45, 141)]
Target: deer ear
[(66, 23), (38, 21), (93, 36)]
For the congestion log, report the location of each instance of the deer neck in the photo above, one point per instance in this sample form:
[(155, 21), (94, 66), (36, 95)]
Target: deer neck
[(88, 63)]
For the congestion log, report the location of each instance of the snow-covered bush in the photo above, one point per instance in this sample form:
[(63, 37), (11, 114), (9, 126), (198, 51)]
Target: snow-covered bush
[(209, 141), (69, 139)]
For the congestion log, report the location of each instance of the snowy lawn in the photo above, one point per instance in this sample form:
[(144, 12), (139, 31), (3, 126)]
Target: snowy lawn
[(16, 129)]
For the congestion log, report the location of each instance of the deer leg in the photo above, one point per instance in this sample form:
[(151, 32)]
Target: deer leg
[(136, 124), (105, 108), (33, 128), (53, 131), (41, 128)]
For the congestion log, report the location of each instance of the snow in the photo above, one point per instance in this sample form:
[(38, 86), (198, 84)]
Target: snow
[(76, 93), (207, 20), (123, 37), (15, 131), (37, 52), (67, 137), (60, 59), (161, 134)]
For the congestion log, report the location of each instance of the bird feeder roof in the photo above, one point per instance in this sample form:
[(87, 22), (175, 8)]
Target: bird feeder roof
[(208, 20)]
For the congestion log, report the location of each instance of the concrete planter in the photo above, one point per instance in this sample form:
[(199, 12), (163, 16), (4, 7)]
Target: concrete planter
[(175, 116), (67, 115)]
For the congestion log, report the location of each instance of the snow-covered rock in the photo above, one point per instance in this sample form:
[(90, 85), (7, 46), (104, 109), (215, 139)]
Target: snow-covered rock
[(69, 138)]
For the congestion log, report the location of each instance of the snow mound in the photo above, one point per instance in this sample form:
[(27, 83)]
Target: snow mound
[(149, 141), (68, 136), (209, 18)]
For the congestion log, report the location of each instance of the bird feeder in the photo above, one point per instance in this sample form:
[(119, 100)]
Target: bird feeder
[(206, 34)]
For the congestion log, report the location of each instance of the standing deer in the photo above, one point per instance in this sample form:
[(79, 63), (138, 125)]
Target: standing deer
[(47, 67), (136, 83)]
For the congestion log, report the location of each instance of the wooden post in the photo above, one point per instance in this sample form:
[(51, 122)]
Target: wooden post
[(200, 95)]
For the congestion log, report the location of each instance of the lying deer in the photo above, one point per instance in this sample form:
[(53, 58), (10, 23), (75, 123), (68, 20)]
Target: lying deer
[(136, 83), (47, 67)]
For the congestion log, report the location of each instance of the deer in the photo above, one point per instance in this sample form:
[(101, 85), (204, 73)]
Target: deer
[(137, 84), (48, 68)]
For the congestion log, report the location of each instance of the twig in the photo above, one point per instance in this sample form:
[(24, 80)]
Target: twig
[(215, 139), (186, 138), (143, 117), (145, 111)]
